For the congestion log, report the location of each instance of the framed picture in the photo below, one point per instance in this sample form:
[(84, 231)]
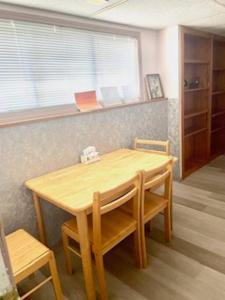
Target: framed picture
[(154, 86)]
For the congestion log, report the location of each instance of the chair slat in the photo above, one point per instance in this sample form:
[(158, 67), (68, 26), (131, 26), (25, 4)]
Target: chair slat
[(119, 202), (156, 181)]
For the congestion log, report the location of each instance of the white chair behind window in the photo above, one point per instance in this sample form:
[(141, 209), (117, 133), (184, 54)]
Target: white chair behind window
[(110, 96), (129, 94)]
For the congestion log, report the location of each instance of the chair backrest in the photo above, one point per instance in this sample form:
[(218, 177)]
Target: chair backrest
[(113, 199), (139, 143), (155, 178)]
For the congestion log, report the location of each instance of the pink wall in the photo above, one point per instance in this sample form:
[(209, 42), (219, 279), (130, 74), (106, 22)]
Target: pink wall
[(168, 58)]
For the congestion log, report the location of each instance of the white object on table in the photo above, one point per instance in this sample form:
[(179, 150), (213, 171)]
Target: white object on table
[(89, 155)]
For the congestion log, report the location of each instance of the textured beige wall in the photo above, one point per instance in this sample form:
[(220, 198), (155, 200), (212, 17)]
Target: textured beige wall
[(35, 149)]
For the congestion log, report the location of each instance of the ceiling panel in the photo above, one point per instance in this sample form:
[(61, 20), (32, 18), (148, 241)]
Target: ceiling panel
[(76, 7), (156, 14)]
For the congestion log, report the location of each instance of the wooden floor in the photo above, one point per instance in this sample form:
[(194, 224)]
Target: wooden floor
[(191, 267)]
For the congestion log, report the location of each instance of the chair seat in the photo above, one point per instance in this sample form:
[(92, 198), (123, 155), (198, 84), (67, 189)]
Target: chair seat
[(153, 204), (115, 225), (24, 251)]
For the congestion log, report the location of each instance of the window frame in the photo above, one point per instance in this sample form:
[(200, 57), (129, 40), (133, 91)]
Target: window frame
[(65, 20)]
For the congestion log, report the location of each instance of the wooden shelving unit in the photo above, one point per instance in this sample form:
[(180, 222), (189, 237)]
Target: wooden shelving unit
[(203, 106), (218, 98), (196, 65)]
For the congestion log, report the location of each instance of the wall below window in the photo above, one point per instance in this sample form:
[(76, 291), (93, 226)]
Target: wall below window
[(31, 150)]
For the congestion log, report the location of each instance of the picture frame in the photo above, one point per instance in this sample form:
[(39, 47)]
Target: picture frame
[(154, 86)]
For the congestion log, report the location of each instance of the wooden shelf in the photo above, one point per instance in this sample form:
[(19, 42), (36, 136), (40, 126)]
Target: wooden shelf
[(218, 92), (193, 165), (193, 131), (218, 129), (195, 114), (219, 69), (219, 113), (195, 90), (195, 61), (216, 153)]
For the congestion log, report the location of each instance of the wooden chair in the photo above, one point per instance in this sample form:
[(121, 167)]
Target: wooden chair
[(108, 226), (153, 203), (27, 255), (164, 144)]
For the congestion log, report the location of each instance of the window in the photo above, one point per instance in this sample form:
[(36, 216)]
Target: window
[(43, 65)]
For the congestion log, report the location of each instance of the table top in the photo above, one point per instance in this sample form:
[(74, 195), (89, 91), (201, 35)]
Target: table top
[(72, 188)]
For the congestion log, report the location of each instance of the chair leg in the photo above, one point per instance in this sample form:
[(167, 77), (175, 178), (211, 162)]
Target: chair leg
[(171, 205), (101, 276), (167, 223), (67, 253), (138, 248), (150, 225), (55, 277), (149, 228), (171, 216), (143, 246)]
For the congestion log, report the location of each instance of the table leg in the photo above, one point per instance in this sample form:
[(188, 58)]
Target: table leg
[(171, 200), (171, 212), (86, 254), (40, 221)]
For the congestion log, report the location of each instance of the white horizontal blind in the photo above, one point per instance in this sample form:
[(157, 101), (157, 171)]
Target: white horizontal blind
[(44, 65)]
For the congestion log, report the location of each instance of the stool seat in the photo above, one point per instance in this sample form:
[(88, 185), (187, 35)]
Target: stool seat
[(27, 255), (24, 250)]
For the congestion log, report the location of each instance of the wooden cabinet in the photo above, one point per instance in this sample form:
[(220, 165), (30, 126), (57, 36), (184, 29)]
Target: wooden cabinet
[(202, 98)]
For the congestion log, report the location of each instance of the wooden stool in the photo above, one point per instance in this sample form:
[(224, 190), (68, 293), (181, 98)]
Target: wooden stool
[(27, 255)]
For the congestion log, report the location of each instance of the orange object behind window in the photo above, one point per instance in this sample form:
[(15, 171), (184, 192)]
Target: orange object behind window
[(86, 101)]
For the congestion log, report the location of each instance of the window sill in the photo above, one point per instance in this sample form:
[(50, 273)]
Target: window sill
[(51, 113)]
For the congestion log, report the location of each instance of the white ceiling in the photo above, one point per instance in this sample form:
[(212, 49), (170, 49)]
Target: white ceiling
[(204, 14)]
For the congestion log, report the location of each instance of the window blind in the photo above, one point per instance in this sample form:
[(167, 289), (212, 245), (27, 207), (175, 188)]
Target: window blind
[(44, 65)]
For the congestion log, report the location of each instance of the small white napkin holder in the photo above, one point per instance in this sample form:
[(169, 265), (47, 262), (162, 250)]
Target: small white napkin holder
[(89, 155)]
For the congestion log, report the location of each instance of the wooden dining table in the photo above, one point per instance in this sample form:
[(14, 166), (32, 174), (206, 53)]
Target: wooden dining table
[(72, 188)]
